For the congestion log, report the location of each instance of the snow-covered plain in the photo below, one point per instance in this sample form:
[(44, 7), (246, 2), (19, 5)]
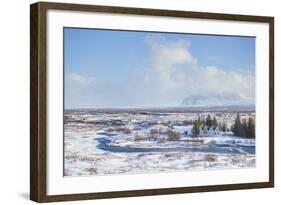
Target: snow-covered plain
[(101, 143)]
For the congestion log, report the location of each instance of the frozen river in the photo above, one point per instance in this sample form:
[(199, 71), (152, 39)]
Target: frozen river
[(104, 144), (95, 155)]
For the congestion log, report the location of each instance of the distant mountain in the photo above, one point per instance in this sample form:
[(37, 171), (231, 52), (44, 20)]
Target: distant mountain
[(214, 99)]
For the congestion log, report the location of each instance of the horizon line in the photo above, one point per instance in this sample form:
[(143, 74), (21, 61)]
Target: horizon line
[(166, 107)]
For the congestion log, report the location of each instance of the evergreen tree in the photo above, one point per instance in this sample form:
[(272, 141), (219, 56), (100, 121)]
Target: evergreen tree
[(199, 120), (222, 126), (237, 127), (209, 121), (197, 124), (195, 129), (251, 128), (244, 129), (203, 123), (214, 122)]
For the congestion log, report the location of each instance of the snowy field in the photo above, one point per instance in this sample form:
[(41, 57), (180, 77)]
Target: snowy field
[(101, 143)]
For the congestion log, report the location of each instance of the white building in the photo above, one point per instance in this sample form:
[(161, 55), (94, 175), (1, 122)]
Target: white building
[(209, 131)]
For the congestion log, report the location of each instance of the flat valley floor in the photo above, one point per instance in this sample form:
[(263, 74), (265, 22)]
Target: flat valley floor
[(102, 142)]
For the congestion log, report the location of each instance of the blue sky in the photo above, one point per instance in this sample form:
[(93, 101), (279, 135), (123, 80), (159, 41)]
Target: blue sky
[(106, 61)]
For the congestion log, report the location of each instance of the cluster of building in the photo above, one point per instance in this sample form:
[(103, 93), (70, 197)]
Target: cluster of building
[(214, 131)]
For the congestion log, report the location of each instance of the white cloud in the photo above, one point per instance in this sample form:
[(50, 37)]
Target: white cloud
[(76, 78), (171, 75)]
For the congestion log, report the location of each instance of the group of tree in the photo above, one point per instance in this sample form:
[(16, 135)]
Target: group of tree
[(244, 128), (209, 122), (197, 124)]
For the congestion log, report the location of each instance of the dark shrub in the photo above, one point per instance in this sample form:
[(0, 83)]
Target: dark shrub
[(173, 136)]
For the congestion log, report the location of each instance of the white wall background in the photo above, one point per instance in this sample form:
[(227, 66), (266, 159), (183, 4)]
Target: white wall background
[(14, 101)]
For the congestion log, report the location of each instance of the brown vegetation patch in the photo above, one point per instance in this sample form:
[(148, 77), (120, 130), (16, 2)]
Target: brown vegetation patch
[(173, 136), (91, 170), (139, 137), (211, 158), (153, 131), (120, 129)]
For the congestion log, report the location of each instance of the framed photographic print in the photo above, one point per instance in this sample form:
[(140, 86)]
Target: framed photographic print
[(134, 102)]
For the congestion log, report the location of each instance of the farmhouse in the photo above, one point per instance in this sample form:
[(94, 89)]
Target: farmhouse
[(209, 131)]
